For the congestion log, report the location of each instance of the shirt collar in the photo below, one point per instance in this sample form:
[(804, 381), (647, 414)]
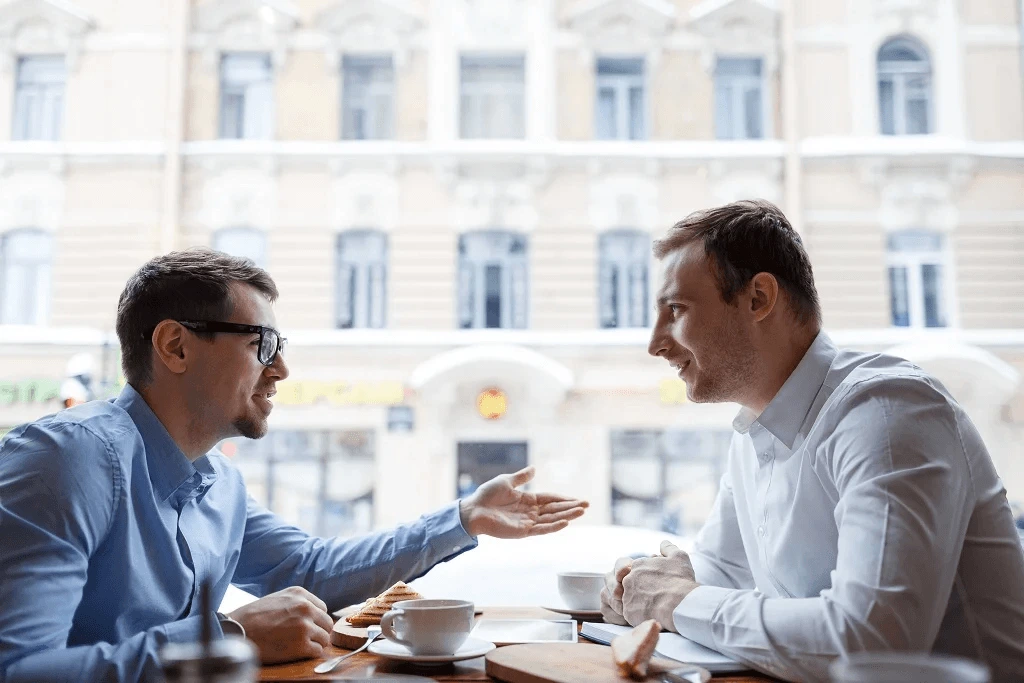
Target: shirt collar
[(785, 414), (169, 468)]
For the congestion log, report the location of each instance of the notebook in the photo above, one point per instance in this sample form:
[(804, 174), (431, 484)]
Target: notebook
[(670, 646)]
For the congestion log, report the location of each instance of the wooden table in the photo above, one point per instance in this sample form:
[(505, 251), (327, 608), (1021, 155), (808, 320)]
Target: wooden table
[(366, 664)]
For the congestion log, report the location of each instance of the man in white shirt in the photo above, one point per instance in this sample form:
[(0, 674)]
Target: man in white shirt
[(859, 509)]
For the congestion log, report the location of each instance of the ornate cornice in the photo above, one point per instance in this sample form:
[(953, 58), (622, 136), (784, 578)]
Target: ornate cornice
[(609, 26), (42, 26), (369, 26), (243, 25), (737, 27)]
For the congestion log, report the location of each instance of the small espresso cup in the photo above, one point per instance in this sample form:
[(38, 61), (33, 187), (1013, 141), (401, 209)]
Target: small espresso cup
[(581, 590), (429, 627)]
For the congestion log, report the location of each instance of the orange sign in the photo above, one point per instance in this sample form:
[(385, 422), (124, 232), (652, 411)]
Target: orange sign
[(491, 403)]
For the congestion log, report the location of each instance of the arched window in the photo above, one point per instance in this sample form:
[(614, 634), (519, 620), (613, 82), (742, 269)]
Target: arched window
[(492, 279), (39, 98), (362, 275), (919, 266), (622, 274), (25, 260), (904, 88), (248, 243)]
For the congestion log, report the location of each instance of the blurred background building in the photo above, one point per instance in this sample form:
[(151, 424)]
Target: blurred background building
[(457, 200)]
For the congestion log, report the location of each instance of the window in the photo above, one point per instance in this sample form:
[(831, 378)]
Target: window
[(367, 98), (246, 97), (621, 105), (739, 99), (25, 257), (622, 278), (904, 88), (248, 243), (319, 480), (492, 280), (492, 99), (918, 290), (39, 98), (362, 262), (666, 480)]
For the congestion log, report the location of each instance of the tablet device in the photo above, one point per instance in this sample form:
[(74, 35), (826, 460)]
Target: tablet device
[(514, 631)]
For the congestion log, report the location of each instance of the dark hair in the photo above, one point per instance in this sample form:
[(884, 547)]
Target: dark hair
[(182, 285), (746, 238)]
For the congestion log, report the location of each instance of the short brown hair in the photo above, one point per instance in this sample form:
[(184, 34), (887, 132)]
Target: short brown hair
[(746, 238), (183, 285)]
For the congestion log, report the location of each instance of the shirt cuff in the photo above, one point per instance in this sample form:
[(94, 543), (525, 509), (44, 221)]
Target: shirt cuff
[(693, 616), (447, 534)]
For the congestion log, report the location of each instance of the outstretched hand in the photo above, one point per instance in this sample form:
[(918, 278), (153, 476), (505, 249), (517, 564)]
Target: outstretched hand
[(498, 508)]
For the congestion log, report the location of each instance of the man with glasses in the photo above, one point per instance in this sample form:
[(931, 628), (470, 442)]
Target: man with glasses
[(113, 513)]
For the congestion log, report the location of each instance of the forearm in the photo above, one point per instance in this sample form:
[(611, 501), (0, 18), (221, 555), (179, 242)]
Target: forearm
[(345, 571), (134, 659), (792, 638)]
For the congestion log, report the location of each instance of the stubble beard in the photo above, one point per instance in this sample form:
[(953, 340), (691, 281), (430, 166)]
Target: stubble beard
[(251, 428)]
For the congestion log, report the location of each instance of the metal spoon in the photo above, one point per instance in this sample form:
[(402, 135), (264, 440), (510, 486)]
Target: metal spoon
[(372, 633)]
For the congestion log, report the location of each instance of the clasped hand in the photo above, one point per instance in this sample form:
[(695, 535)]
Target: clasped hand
[(647, 588)]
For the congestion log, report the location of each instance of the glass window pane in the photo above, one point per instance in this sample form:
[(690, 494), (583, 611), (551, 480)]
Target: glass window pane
[(931, 276), (492, 97), (362, 257), (899, 300), (25, 258), (39, 98), (753, 110), (917, 117), (886, 107), (606, 124), (367, 98), (492, 296), (636, 113), (246, 96), (724, 128)]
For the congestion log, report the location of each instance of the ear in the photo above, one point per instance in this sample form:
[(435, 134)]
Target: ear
[(169, 346), (764, 295)]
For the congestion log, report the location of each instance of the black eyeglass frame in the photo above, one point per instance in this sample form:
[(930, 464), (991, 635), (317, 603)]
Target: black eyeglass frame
[(215, 326)]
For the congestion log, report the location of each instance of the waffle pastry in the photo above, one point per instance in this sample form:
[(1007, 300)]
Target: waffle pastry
[(632, 651), (374, 608)]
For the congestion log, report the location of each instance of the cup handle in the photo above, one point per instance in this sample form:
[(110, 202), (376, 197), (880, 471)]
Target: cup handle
[(387, 627)]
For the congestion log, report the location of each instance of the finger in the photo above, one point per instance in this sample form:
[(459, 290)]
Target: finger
[(318, 635), (541, 529), (668, 548), (621, 572), (567, 515), (522, 476), (562, 505), (317, 602), (548, 498), (323, 620), (313, 649)]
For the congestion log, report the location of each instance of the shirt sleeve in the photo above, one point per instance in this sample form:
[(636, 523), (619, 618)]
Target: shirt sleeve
[(342, 572), (904, 501), (59, 484), (718, 556)]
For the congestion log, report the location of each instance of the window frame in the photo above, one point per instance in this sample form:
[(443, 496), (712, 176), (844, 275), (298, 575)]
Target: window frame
[(246, 91), (367, 303), (914, 261), (491, 89), (737, 97), (372, 63), (898, 73), (621, 85), (36, 312), (478, 251), (34, 116), (637, 253)]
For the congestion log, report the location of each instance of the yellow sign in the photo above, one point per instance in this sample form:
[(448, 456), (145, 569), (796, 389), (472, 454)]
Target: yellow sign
[(673, 391), (491, 403), (311, 392)]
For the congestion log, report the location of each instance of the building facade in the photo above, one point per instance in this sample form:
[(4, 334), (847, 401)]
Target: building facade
[(457, 200)]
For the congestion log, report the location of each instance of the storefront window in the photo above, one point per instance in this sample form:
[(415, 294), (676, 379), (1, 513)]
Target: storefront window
[(666, 480), (322, 481)]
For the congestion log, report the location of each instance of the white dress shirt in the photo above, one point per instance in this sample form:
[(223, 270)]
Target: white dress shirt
[(859, 511)]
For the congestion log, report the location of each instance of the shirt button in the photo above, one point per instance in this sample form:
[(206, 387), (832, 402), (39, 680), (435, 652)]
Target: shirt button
[(760, 530), (456, 548)]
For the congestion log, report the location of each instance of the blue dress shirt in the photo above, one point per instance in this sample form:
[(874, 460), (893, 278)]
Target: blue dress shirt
[(107, 530)]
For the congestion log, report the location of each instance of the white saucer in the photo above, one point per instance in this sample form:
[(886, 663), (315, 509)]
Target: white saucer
[(471, 649), (581, 614)]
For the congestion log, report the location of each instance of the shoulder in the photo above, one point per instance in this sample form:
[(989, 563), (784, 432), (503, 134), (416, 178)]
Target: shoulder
[(78, 448)]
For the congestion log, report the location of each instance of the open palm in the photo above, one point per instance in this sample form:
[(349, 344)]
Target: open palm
[(498, 508)]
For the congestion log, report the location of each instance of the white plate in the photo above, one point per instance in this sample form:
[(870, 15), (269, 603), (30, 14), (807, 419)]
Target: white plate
[(581, 614), (471, 649)]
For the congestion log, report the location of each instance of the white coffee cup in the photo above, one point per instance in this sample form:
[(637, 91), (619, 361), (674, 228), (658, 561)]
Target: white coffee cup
[(429, 627), (581, 590)]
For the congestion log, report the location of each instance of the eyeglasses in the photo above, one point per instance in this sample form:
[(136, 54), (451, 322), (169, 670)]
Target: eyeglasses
[(271, 341)]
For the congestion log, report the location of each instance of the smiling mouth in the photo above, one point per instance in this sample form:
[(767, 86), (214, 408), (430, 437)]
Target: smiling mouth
[(680, 369)]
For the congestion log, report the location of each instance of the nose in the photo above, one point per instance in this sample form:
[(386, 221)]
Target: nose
[(659, 343), (279, 368)]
